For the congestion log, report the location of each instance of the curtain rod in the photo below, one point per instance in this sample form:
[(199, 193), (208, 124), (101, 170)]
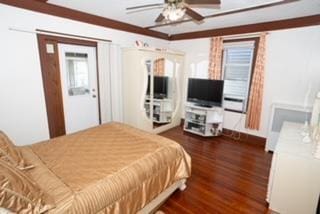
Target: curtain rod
[(73, 35), (53, 33)]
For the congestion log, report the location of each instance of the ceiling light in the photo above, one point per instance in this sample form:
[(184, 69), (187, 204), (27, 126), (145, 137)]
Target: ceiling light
[(173, 12)]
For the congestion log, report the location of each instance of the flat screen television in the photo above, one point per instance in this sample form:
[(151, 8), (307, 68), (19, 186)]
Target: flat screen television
[(204, 92), (160, 85)]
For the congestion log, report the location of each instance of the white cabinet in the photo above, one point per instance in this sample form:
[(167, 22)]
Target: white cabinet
[(294, 181), (203, 121), (281, 112)]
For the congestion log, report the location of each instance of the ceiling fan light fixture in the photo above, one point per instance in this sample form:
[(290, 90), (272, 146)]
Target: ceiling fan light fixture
[(174, 12)]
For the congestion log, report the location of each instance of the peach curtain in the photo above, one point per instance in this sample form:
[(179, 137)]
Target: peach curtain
[(215, 58), (158, 67), (256, 92)]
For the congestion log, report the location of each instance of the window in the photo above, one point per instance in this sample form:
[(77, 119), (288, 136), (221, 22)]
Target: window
[(77, 74), (237, 69)]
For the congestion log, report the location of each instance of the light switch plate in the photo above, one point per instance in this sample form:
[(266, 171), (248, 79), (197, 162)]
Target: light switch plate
[(50, 48)]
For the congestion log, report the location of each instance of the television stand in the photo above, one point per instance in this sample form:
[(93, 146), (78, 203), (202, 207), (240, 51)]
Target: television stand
[(203, 105), (203, 121)]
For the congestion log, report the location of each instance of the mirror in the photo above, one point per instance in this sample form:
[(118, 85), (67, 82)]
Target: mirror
[(160, 95), (147, 101)]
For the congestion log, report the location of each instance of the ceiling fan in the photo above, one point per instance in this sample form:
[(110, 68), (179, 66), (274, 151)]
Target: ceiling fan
[(174, 10)]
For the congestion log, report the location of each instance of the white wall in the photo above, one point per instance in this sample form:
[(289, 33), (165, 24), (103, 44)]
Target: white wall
[(292, 66), (22, 104)]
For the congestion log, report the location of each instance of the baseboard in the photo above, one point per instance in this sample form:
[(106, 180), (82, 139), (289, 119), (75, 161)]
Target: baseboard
[(243, 136)]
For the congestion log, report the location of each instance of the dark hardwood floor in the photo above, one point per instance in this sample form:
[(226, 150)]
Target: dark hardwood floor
[(227, 176)]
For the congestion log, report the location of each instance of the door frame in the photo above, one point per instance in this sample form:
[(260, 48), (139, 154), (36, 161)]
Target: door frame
[(53, 91)]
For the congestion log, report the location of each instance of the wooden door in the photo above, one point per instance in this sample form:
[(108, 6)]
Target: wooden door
[(50, 67)]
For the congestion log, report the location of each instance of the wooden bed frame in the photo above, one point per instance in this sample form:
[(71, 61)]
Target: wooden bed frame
[(162, 197)]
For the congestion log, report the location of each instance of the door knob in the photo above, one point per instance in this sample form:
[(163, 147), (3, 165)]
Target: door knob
[(94, 96)]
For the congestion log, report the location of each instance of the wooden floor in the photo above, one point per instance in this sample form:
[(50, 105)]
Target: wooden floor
[(227, 176)]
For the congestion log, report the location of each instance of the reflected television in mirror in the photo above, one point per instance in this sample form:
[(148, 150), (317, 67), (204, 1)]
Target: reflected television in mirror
[(160, 86)]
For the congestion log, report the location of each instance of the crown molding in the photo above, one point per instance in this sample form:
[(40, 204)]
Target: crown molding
[(46, 8), (251, 28)]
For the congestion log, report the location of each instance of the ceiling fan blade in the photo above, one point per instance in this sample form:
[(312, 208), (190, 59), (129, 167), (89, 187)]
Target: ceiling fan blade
[(193, 14), (144, 6), (160, 18), (199, 2)]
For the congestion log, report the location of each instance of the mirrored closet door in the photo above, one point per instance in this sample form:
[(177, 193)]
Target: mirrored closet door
[(152, 82), (161, 91)]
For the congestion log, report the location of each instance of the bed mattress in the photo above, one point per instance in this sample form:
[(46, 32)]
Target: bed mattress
[(112, 168)]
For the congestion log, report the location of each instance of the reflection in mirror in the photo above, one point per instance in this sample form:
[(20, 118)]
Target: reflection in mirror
[(147, 103), (163, 91)]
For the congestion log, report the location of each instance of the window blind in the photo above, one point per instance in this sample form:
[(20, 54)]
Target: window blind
[(237, 65)]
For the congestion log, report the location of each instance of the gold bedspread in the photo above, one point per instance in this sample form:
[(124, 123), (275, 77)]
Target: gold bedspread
[(112, 168)]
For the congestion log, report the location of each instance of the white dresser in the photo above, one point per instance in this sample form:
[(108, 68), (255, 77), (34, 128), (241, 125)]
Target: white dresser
[(294, 181)]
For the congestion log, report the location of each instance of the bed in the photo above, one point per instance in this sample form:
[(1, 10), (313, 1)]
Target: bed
[(112, 168)]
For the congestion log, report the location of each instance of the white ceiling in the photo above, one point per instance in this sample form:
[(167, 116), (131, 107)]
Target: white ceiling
[(116, 9)]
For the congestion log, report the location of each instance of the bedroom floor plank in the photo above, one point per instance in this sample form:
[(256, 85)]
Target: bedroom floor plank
[(227, 176)]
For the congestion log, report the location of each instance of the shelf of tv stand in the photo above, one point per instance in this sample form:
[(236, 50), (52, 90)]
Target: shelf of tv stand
[(196, 122), (162, 109), (195, 132), (199, 113)]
